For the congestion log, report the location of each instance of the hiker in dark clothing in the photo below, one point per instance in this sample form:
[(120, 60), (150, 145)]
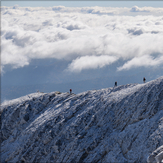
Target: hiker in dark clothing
[(144, 79), (115, 84), (70, 90)]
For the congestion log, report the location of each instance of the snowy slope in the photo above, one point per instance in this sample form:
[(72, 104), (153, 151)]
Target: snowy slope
[(121, 124)]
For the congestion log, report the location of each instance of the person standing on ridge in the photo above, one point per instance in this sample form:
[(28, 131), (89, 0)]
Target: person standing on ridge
[(70, 91), (115, 83), (144, 79)]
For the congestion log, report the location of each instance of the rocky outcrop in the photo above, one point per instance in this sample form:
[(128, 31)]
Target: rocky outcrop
[(156, 156), (120, 124)]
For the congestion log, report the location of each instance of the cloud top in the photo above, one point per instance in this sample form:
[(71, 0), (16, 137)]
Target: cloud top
[(88, 37), (91, 62), (143, 61)]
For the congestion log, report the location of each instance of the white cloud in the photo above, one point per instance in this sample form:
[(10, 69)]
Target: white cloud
[(90, 37), (137, 9), (91, 62), (58, 8), (13, 55), (143, 61), (71, 25), (147, 10)]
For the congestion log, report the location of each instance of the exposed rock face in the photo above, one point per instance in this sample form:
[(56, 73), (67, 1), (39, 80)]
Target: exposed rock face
[(156, 156), (121, 124)]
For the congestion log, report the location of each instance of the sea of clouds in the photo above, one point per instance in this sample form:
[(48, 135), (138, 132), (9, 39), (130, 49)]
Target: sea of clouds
[(88, 37)]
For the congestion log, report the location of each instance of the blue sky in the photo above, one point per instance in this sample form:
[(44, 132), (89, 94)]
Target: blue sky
[(83, 3)]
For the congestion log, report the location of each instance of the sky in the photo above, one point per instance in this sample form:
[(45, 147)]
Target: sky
[(83, 3), (60, 43)]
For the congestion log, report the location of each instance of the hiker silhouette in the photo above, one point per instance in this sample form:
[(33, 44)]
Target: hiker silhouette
[(144, 79)]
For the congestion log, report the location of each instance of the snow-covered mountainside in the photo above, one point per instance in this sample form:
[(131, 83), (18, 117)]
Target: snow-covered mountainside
[(120, 124)]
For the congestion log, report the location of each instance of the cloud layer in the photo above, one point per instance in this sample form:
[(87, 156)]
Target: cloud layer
[(145, 61), (88, 37), (91, 62)]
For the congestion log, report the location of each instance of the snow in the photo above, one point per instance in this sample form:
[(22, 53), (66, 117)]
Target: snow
[(119, 124)]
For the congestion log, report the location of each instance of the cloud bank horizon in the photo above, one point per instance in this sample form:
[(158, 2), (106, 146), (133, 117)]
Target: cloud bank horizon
[(88, 37)]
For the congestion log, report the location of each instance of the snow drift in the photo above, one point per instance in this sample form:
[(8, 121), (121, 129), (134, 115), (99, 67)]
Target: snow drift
[(120, 124)]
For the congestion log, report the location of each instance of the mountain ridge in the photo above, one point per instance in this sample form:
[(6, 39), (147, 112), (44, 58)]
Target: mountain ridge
[(118, 124)]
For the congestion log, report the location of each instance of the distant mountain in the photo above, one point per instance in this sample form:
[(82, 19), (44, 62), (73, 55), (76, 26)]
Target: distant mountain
[(117, 124)]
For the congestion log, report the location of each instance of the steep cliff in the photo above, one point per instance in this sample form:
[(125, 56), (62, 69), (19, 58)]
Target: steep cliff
[(120, 124)]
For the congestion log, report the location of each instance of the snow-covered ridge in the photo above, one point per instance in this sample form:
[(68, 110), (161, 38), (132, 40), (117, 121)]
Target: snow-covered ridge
[(120, 124)]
